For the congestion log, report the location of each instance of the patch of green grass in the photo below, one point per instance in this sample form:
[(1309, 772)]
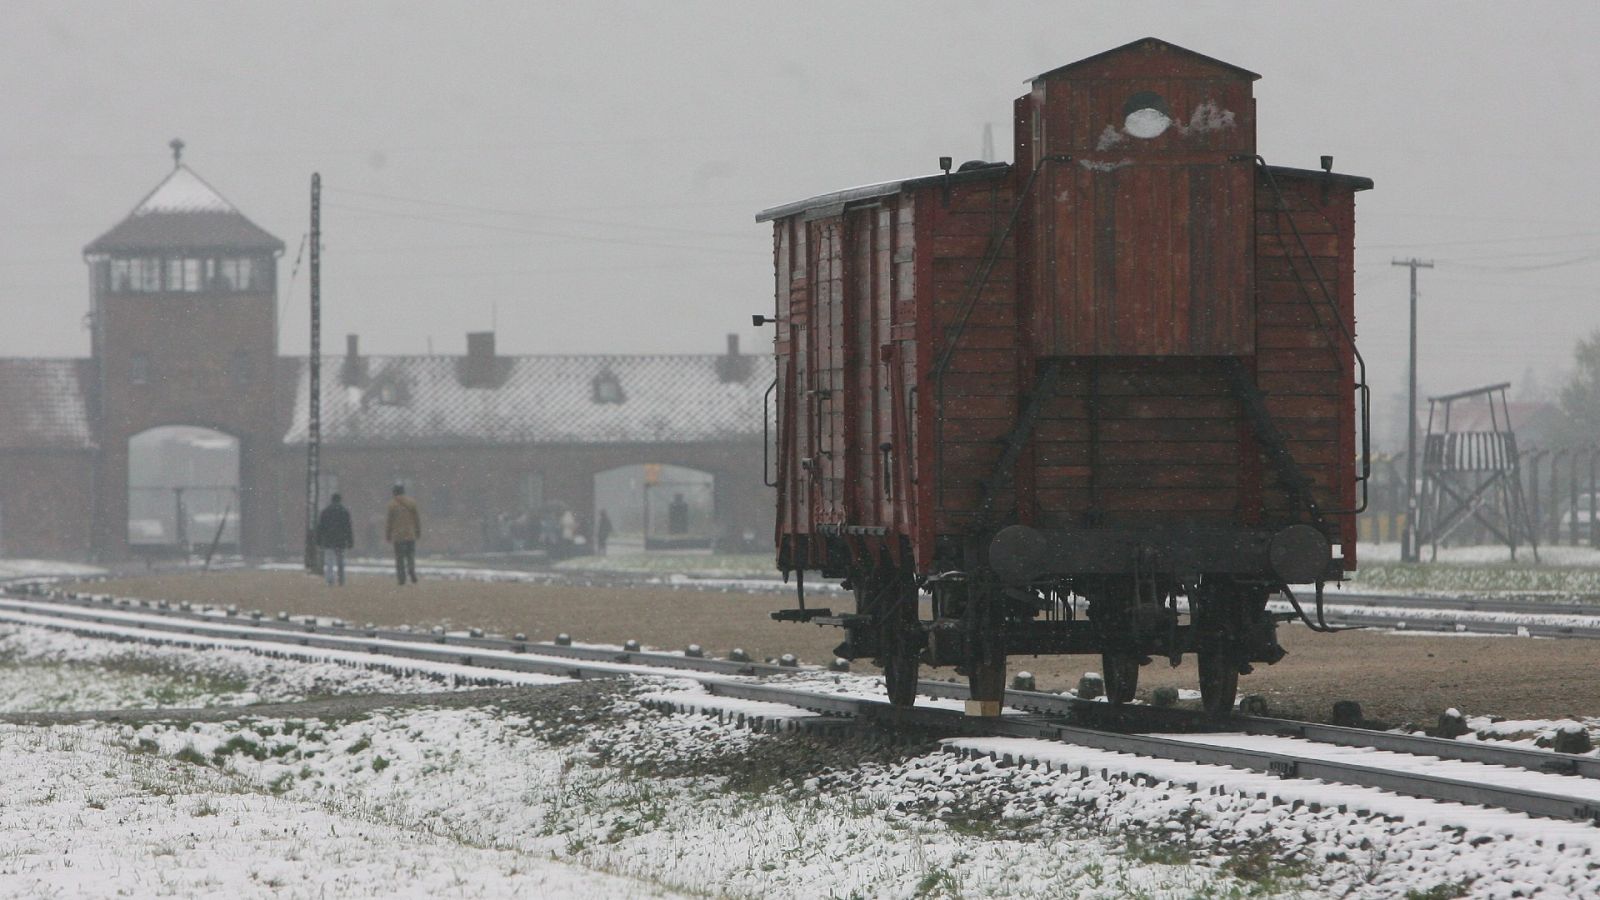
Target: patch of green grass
[(938, 883), (1266, 866), (1155, 851), (1446, 891), (379, 764), (239, 745), (190, 755)]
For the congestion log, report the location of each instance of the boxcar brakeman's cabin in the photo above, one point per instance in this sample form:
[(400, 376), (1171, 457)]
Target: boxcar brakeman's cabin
[(1059, 395)]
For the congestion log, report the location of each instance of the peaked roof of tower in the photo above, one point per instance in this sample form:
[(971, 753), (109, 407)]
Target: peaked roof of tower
[(1153, 43), (184, 213)]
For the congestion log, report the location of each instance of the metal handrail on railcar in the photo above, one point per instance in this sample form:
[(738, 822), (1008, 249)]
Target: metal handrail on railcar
[(1362, 388)]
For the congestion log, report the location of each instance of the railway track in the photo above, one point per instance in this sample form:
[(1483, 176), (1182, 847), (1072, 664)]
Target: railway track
[(1530, 781)]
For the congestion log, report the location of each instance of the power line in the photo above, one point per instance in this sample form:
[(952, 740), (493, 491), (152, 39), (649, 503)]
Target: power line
[(567, 236), (541, 215)]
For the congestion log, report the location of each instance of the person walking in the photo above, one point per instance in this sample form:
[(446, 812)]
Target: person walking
[(403, 530), (602, 533), (335, 535)]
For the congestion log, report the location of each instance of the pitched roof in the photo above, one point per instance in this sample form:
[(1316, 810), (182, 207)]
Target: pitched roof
[(184, 213), (1150, 43), (44, 404), (421, 400)]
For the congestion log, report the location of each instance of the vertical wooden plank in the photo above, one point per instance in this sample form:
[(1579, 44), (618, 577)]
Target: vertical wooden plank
[(1103, 302)]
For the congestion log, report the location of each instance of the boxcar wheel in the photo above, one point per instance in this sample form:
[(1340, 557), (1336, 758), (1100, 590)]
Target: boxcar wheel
[(1219, 682), (1121, 673), (899, 643), (900, 672)]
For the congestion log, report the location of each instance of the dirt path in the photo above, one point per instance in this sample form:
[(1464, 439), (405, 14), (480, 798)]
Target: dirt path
[(1397, 678)]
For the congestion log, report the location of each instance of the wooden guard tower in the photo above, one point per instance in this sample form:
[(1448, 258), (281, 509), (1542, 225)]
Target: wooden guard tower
[(1473, 475)]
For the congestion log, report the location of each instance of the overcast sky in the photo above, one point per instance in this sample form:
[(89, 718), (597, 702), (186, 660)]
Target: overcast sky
[(587, 172)]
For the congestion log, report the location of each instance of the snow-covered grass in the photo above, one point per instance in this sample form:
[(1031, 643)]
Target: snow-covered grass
[(87, 817), (506, 800), (1562, 572), (45, 568), (723, 565), (46, 670), (705, 806)]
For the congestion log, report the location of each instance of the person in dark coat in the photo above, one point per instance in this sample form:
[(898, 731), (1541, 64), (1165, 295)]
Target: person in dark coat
[(334, 535), (602, 533)]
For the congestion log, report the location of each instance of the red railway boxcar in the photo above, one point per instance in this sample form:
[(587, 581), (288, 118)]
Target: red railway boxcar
[(1103, 399)]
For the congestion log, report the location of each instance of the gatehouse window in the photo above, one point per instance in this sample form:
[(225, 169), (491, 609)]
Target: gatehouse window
[(139, 369), (187, 274), (606, 388)]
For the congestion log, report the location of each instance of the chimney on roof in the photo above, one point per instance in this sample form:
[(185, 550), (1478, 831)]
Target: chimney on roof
[(481, 368), (733, 366), (354, 371)]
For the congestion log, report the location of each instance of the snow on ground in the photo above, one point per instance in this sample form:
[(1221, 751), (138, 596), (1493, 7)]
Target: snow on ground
[(611, 802), (1529, 734), (478, 802), (44, 669), (85, 816), (1580, 622), (45, 568), (648, 795), (1487, 553)]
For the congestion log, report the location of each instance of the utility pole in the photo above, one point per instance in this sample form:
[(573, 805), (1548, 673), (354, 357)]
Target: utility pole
[(314, 421), (1409, 551)]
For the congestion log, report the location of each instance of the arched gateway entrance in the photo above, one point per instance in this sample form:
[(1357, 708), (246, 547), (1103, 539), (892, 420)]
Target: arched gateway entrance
[(657, 506), (183, 492)]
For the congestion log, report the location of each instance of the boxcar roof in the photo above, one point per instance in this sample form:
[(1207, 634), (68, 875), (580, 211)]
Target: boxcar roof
[(881, 189), (1185, 51), (1353, 182)]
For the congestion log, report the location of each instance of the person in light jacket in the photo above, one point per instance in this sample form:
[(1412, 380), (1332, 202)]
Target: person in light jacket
[(335, 535), (403, 530)]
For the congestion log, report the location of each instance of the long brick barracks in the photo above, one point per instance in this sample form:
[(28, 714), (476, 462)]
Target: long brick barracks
[(185, 427)]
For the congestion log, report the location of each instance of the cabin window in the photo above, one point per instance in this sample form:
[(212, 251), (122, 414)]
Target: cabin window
[(139, 369), (1146, 115)]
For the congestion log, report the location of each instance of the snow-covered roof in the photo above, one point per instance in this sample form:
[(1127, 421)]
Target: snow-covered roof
[(835, 201), (425, 400), (184, 213), (44, 404)]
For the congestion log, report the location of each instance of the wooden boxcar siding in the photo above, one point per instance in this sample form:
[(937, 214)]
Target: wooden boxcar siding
[(1304, 364), (847, 365), (975, 404), (1141, 441), (1143, 246)]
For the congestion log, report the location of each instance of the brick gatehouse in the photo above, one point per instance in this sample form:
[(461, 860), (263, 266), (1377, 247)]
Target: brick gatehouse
[(185, 426)]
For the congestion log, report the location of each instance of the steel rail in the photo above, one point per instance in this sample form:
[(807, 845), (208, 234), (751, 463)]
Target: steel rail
[(448, 647), (1465, 604), (1427, 787), (1056, 725), (1461, 626)]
